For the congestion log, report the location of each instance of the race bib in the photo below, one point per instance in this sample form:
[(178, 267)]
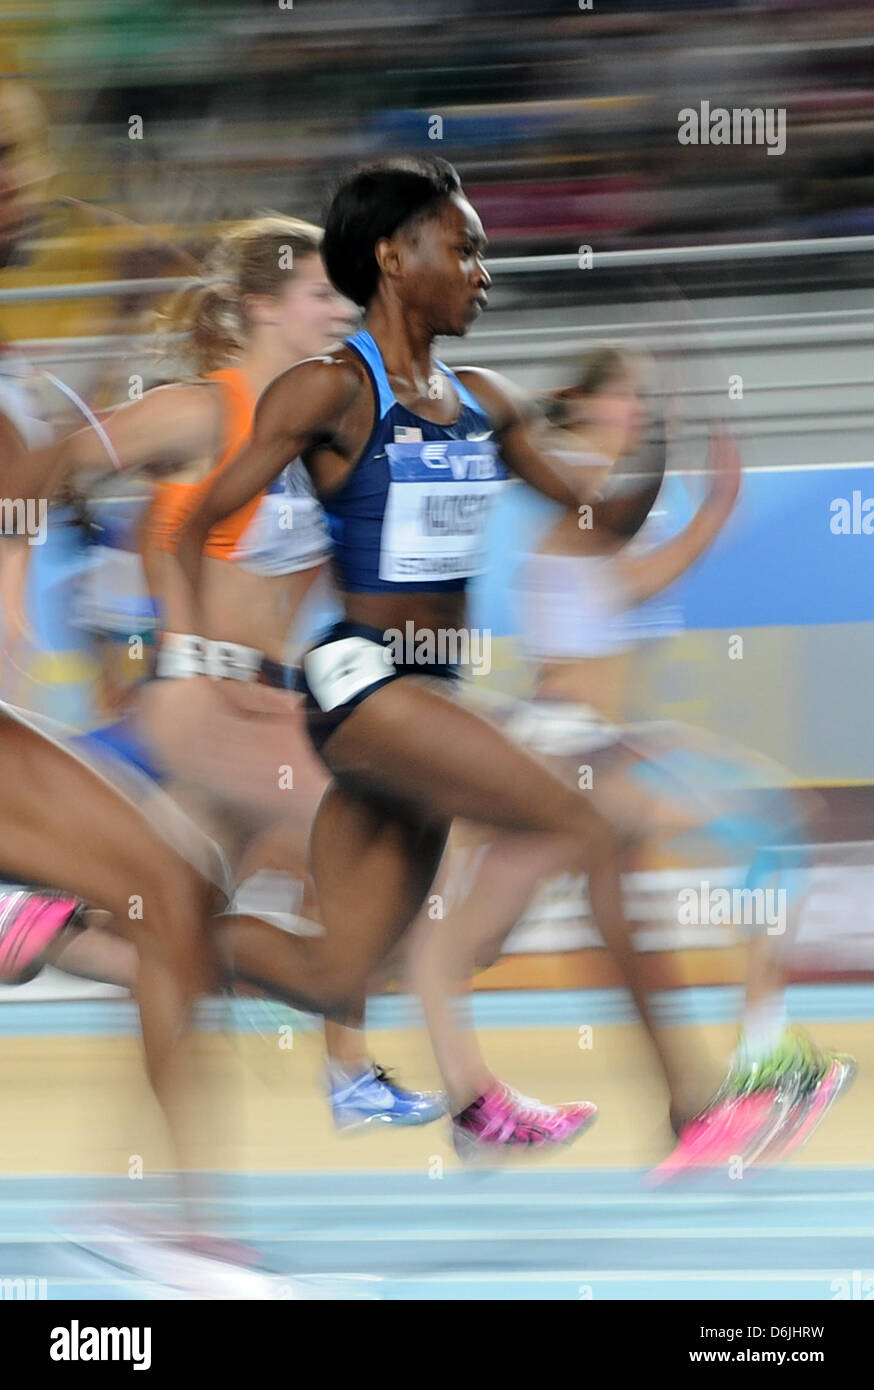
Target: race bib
[(340, 670), (438, 503), (288, 531)]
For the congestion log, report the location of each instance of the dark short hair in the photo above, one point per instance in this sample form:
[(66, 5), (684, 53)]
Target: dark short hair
[(374, 202)]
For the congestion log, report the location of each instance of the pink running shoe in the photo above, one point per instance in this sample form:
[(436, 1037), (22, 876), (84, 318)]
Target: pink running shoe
[(766, 1107), (809, 1109), (718, 1134), (501, 1120), (30, 920)]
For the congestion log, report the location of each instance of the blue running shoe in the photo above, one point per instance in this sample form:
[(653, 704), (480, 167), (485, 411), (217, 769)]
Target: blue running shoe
[(375, 1097)]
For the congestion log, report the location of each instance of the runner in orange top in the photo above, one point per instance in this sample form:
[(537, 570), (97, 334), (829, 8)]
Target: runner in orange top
[(238, 759)]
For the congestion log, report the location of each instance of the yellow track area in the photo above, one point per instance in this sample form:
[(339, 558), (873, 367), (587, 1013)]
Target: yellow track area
[(82, 1105)]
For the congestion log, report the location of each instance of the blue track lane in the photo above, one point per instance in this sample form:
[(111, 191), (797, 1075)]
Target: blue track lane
[(542, 1233), (492, 1009)]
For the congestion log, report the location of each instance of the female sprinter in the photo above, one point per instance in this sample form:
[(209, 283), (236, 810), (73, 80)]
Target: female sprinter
[(406, 458), (266, 302)]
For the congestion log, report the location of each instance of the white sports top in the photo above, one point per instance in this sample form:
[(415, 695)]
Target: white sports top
[(571, 606), (18, 403), (576, 606)]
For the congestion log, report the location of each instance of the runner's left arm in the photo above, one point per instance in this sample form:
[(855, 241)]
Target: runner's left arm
[(527, 450)]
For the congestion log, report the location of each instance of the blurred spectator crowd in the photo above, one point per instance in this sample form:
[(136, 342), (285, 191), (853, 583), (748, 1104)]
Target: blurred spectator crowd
[(562, 120)]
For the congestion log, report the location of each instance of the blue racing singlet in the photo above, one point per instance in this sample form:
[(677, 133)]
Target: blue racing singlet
[(414, 509)]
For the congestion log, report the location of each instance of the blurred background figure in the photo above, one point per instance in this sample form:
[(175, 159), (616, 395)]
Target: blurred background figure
[(586, 596)]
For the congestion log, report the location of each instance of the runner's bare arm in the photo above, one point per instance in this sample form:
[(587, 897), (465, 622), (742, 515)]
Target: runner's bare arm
[(650, 573), (168, 425), (14, 550), (173, 424), (527, 450), (12, 459)]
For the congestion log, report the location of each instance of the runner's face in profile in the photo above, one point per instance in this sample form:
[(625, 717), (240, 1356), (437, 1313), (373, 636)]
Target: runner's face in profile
[(615, 414), (312, 315), (443, 278), (621, 409)]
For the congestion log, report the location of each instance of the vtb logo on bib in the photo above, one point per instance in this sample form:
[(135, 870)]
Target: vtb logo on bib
[(435, 454), (474, 465)]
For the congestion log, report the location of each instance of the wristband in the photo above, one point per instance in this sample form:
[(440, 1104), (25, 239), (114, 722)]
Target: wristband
[(232, 661), (181, 655)]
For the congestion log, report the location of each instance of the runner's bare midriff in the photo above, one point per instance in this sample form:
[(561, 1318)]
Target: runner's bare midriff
[(238, 606), (426, 611), (599, 681)]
